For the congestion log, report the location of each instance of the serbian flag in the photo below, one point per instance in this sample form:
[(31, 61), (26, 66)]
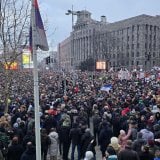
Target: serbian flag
[(106, 87), (37, 32)]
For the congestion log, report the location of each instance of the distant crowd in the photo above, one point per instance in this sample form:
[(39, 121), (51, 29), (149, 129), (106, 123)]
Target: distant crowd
[(77, 118)]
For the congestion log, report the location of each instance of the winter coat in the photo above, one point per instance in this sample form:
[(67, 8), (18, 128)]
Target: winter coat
[(137, 144), (128, 154), (14, 152), (133, 134), (45, 142), (96, 121), (53, 147), (105, 136), (146, 156), (147, 135), (75, 135), (85, 141), (29, 154), (64, 134)]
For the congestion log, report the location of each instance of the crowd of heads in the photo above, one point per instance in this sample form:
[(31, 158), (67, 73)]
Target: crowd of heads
[(130, 110)]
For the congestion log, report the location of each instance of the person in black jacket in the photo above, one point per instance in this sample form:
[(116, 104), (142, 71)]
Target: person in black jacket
[(30, 152), (128, 153), (45, 142), (65, 140), (145, 154), (96, 122), (86, 138), (15, 150), (104, 137), (138, 143), (75, 136)]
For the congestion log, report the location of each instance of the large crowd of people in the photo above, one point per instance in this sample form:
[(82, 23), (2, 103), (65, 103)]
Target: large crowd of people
[(77, 117)]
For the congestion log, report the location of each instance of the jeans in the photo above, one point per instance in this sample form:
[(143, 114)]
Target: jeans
[(73, 150)]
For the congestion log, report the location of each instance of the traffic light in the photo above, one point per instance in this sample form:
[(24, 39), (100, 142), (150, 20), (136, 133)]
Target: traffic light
[(48, 60)]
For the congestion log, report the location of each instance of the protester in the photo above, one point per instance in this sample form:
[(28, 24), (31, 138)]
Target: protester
[(30, 153), (145, 153), (15, 150), (128, 153), (53, 147), (129, 107)]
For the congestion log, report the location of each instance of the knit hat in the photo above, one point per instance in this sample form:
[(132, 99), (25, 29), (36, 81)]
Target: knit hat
[(15, 125), (88, 155), (114, 140), (18, 120), (53, 135)]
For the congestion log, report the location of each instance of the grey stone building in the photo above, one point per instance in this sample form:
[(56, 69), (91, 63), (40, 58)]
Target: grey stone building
[(130, 43)]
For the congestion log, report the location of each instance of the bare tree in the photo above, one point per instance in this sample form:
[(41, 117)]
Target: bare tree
[(14, 29)]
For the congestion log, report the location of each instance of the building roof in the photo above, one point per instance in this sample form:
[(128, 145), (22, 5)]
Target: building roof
[(140, 19)]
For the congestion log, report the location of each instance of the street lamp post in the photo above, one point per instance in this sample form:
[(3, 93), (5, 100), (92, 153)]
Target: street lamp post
[(73, 13)]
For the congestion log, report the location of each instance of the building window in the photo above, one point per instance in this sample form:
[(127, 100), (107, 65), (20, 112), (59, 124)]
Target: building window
[(150, 37), (127, 38), (137, 54), (145, 63), (154, 54), (132, 54), (132, 46), (153, 63), (127, 54), (137, 63), (132, 62), (154, 46), (137, 37), (146, 36), (145, 45), (132, 37), (137, 27), (137, 45), (132, 28), (154, 37), (146, 27)]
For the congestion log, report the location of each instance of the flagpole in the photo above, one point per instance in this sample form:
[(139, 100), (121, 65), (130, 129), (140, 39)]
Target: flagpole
[(36, 88)]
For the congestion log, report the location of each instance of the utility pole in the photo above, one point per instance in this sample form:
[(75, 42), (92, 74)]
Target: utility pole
[(73, 13)]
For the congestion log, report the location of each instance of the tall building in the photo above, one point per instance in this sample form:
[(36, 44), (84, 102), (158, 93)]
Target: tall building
[(130, 43)]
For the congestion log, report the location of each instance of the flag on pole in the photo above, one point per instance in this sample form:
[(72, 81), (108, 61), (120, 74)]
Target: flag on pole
[(106, 87), (40, 39)]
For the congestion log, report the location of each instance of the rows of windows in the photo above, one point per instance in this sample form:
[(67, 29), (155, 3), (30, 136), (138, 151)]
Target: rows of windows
[(127, 63)]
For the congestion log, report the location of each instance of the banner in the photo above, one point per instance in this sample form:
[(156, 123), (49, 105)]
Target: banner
[(27, 59), (11, 66)]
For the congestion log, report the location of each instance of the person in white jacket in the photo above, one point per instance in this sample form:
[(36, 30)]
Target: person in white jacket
[(53, 147)]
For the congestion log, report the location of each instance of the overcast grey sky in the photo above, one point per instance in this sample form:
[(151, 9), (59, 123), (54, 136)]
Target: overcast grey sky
[(59, 24)]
